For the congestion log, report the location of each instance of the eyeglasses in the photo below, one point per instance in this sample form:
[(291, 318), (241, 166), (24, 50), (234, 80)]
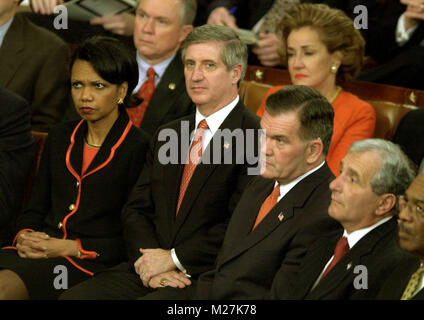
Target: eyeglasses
[(417, 208)]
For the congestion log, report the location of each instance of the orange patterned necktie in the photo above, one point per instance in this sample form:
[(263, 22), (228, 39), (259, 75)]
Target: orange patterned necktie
[(268, 204), (145, 93), (193, 157), (341, 249)]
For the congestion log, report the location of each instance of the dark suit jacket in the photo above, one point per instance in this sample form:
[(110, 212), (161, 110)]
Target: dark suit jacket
[(395, 284), (378, 251), (66, 203), (34, 64), (248, 261), (16, 153), (168, 104), (197, 232), (409, 135)]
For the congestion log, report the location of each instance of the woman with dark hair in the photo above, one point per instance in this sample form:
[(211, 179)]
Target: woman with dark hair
[(323, 50), (71, 228)]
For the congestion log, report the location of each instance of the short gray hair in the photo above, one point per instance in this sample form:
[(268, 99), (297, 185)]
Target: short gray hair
[(234, 51), (396, 172), (187, 12)]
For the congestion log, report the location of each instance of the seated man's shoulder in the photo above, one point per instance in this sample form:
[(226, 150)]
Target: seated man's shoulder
[(39, 36)]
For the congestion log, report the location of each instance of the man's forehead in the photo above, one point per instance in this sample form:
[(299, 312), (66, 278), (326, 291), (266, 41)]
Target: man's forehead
[(416, 189), (167, 10), (204, 51), (363, 164), (277, 121)]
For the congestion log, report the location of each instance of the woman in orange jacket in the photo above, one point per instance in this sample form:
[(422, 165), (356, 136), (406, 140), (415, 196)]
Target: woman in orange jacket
[(322, 48)]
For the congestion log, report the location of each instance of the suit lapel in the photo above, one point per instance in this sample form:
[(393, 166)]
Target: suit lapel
[(171, 84), (12, 51), (280, 215), (344, 268), (76, 154), (241, 225), (173, 172), (309, 272), (204, 170)]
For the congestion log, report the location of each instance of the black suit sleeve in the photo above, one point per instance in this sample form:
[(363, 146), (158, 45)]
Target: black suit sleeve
[(16, 153), (138, 213)]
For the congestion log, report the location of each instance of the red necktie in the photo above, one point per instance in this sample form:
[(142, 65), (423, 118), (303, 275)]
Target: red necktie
[(193, 157), (341, 248), (145, 93), (268, 204)]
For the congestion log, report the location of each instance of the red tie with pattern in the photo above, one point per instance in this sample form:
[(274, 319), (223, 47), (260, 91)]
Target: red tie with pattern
[(268, 204), (341, 248), (193, 157), (145, 93)]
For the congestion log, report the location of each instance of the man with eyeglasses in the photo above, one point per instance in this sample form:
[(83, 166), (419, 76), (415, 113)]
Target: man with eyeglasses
[(406, 282)]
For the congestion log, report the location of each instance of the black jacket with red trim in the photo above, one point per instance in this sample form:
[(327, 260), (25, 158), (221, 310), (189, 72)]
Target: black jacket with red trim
[(86, 208)]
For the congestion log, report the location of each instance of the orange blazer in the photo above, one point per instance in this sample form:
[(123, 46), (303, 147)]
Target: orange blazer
[(354, 119)]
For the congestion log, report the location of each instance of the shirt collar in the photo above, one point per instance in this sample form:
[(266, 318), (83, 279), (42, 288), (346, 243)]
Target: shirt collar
[(357, 235), (143, 66), (215, 120), (4, 28), (284, 189), (159, 68)]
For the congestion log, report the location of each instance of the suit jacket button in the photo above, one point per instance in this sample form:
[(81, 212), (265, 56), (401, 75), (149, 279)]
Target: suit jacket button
[(59, 225), (71, 207)]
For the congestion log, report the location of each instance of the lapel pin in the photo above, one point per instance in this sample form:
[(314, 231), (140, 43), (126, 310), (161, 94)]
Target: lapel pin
[(226, 145), (349, 265), (171, 86), (281, 216)]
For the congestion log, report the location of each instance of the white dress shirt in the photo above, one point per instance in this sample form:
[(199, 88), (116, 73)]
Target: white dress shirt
[(284, 189)]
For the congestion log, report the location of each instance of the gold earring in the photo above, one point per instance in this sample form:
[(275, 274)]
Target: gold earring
[(334, 69), (120, 101)]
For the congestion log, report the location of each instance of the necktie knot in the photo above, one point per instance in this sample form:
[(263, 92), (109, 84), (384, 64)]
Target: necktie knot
[(341, 248), (150, 73), (203, 125)]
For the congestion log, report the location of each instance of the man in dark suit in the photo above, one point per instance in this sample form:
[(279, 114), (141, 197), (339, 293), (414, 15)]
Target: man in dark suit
[(16, 153), (400, 284), (176, 217), (160, 28), (34, 64), (298, 124), (363, 200)]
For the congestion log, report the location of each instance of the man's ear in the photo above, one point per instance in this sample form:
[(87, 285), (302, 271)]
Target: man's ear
[(386, 203), (314, 151), (184, 31), (236, 73)]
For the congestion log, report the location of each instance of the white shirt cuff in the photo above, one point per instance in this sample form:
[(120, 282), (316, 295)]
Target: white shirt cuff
[(178, 263), (403, 36)]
